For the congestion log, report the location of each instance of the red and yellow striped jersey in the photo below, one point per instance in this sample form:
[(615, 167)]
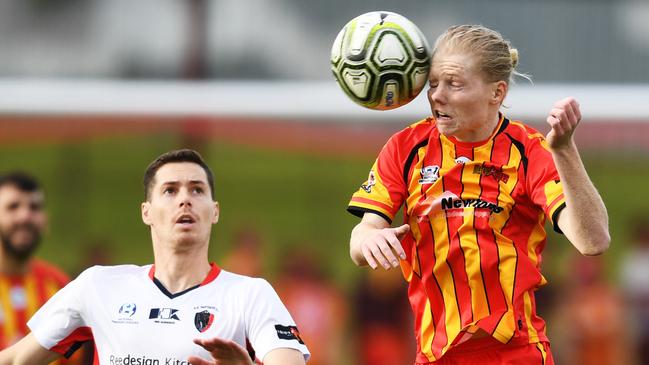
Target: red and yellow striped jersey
[(476, 213), (22, 295)]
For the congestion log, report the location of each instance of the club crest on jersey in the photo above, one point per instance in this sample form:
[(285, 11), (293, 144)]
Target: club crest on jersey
[(371, 181), (203, 320), (288, 333), (461, 160), (429, 174)]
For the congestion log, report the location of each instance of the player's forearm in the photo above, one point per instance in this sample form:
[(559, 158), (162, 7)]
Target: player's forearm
[(7, 357), (27, 352), (584, 221)]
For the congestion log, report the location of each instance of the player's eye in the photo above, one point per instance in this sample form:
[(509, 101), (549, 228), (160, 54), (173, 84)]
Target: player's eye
[(198, 190), (168, 190)]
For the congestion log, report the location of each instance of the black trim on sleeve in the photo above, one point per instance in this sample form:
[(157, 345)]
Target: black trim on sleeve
[(555, 216), (357, 211), (75, 346)]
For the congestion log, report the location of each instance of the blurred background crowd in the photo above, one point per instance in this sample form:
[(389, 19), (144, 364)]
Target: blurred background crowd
[(91, 91)]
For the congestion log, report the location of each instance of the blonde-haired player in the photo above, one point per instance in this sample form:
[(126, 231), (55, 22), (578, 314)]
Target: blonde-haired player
[(476, 188)]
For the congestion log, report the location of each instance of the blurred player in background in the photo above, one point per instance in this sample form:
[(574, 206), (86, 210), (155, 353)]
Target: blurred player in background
[(316, 303), (26, 282), (635, 283), (476, 188), (591, 319), (384, 319), (246, 256), (181, 309)]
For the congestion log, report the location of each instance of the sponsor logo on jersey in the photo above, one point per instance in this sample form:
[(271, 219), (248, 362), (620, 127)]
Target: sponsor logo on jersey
[(429, 174), (164, 315), (144, 360), (371, 181), (496, 172), (456, 203), (461, 160), (128, 309), (203, 320), (450, 205), (288, 333), (125, 314)]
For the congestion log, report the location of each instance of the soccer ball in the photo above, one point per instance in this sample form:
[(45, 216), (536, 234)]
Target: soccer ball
[(380, 60)]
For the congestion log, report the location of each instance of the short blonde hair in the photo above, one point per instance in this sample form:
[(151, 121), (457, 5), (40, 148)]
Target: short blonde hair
[(497, 58)]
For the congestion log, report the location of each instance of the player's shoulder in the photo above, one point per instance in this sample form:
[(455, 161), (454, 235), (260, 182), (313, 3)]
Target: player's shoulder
[(414, 134), (114, 272), (243, 283), (239, 280)]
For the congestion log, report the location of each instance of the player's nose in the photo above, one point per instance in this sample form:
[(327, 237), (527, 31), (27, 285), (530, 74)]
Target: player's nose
[(23, 214), (435, 95), (184, 197)]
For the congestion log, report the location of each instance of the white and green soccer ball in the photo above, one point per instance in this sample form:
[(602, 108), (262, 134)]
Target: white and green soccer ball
[(381, 60)]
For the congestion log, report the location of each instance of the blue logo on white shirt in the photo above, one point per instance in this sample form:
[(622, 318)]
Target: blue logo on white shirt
[(128, 309)]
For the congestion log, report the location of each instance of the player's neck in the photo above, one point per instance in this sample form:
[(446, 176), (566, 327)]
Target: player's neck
[(178, 272), (12, 266)]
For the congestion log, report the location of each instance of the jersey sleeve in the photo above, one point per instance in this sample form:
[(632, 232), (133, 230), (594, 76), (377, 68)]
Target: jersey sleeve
[(59, 325), (384, 190), (269, 326), (544, 185)]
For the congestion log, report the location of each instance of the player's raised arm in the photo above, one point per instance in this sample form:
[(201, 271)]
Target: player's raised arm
[(373, 242), (27, 352), (584, 220)]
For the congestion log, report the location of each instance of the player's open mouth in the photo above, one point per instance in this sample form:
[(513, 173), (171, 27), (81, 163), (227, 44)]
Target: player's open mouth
[(440, 115), (185, 219)]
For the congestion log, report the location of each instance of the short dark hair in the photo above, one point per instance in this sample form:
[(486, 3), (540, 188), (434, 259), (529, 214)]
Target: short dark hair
[(21, 180), (183, 155)]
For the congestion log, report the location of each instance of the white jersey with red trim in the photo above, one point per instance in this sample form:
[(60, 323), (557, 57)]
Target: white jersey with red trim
[(134, 320)]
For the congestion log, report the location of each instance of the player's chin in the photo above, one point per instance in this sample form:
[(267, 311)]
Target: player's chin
[(187, 238), (446, 128)]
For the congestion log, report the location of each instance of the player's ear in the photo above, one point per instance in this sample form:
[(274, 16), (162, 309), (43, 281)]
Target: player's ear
[(499, 92), (217, 211), (145, 213)]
